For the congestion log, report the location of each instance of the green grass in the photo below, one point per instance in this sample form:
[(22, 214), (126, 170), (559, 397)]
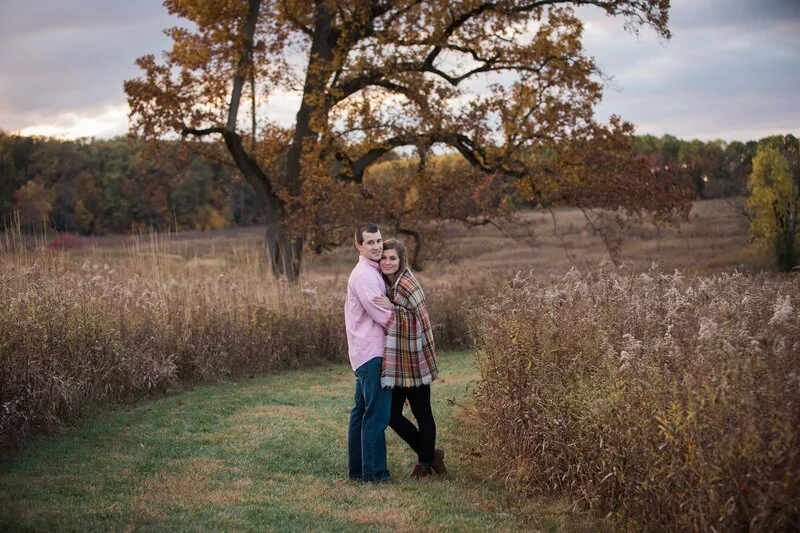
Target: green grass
[(264, 454)]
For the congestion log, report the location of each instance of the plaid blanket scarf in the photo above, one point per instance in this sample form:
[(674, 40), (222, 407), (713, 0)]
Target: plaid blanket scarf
[(409, 355)]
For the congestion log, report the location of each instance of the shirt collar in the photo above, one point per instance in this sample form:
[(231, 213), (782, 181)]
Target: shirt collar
[(374, 264)]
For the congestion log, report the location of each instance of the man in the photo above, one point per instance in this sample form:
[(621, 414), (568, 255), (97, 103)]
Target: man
[(365, 322)]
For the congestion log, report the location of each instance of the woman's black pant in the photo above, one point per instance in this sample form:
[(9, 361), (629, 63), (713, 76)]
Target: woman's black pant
[(422, 439)]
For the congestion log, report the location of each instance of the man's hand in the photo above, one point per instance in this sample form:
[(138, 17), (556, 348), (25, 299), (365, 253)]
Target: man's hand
[(383, 302)]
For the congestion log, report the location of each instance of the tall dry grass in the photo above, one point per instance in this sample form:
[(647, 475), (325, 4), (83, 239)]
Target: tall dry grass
[(89, 325), (669, 402), (80, 328), (123, 318)]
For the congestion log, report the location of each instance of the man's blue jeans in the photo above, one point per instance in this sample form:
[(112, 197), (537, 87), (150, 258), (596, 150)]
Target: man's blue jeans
[(366, 436)]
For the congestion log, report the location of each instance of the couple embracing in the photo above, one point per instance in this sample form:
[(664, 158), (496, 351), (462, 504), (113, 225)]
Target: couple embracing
[(390, 344)]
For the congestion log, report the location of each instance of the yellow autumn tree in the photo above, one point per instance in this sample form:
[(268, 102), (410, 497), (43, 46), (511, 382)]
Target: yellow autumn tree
[(774, 202), (34, 202), (495, 81)]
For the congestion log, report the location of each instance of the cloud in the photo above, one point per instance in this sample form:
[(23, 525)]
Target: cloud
[(731, 70), (101, 122), (69, 59), (727, 72), (736, 14)]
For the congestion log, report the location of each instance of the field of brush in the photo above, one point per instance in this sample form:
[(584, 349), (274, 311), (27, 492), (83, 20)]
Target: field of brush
[(660, 389)]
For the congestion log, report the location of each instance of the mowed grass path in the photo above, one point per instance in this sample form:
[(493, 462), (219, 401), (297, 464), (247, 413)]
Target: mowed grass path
[(261, 454)]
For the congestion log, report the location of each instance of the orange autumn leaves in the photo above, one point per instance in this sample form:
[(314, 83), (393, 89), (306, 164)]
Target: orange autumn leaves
[(504, 84)]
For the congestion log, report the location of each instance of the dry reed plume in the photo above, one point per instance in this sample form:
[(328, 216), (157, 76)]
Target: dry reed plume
[(76, 332), (664, 400), (76, 328), (667, 401)]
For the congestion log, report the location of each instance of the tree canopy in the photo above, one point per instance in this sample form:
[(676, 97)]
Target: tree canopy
[(774, 201), (97, 186), (505, 83)]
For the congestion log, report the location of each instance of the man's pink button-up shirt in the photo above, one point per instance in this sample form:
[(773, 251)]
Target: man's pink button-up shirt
[(365, 322)]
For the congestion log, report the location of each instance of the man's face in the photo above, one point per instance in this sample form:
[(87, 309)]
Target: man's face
[(372, 246)]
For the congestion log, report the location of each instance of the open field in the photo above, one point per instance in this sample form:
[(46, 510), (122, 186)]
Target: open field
[(546, 242), (118, 321), (712, 240), (166, 305)]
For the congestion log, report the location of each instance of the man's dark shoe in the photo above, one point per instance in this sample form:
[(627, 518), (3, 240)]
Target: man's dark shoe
[(438, 462), (420, 472)]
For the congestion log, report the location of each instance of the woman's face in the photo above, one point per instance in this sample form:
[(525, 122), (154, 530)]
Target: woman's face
[(390, 262)]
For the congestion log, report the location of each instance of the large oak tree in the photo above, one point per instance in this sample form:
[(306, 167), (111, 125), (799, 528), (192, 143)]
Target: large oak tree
[(504, 83)]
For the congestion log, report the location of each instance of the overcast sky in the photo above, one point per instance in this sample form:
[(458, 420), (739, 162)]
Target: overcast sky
[(731, 70)]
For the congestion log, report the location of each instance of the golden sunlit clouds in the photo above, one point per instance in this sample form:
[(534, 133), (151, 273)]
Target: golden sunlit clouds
[(113, 120), (105, 123)]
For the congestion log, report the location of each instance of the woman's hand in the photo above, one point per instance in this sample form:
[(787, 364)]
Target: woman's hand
[(383, 302)]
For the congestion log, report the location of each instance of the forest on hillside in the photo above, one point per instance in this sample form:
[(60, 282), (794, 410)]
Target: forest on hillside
[(123, 185)]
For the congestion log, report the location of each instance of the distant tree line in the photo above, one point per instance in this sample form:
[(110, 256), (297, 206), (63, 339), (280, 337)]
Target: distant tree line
[(713, 169), (117, 186), (124, 184)]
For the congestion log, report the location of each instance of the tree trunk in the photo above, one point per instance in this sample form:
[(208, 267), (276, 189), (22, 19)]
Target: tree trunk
[(414, 255), (283, 252)]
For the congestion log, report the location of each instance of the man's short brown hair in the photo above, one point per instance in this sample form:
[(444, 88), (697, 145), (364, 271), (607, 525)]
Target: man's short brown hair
[(369, 227)]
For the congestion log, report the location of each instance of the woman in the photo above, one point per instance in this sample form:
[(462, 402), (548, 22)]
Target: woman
[(409, 359)]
